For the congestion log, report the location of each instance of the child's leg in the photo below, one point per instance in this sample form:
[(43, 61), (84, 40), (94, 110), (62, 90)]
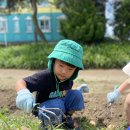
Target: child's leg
[(127, 108), (53, 103), (74, 101)]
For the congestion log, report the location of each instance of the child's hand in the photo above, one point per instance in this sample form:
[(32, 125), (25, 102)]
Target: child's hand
[(113, 96), (25, 100)]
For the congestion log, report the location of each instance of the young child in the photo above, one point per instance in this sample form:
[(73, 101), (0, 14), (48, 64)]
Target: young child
[(113, 96), (54, 85)]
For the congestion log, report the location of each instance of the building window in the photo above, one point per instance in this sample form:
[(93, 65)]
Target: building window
[(28, 24), (16, 24), (45, 23), (62, 17), (3, 4), (3, 25)]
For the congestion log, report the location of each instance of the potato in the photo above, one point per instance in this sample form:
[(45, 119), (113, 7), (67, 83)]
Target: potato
[(93, 123), (111, 127)]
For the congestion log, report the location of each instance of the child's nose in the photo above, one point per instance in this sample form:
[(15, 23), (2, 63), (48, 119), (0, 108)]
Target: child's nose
[(64, 71)]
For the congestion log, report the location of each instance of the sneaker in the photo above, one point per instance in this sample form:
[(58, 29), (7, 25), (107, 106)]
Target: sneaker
[(83, 88), (70, 123)]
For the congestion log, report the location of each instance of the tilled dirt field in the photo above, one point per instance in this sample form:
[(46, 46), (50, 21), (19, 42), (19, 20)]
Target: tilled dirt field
[(100, 82)]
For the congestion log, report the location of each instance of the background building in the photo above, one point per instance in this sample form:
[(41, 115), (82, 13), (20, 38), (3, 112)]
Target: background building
[(18, 26)]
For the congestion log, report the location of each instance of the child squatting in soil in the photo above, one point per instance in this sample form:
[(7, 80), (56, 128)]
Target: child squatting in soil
[(54, 85), (113, 96)]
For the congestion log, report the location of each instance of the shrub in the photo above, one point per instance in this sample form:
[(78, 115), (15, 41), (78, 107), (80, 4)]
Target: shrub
[(34, 56)]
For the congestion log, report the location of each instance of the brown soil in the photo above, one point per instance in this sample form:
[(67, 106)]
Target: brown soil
[(100, 81)]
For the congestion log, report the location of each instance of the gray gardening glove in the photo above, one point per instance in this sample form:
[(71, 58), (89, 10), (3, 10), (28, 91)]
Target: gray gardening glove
[(83, 88), (113, 96), (25, 100)]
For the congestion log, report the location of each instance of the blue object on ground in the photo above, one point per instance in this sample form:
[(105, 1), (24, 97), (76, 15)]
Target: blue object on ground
[(128, 128)]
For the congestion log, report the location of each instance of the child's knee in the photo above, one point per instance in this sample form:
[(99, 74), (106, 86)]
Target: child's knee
[(75, 93), (54, 103), (74, 100)]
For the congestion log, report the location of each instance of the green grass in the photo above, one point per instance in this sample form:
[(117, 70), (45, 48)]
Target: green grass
[(25, 56), (13, 122), (34, 56), (17, 121), (106, 56)]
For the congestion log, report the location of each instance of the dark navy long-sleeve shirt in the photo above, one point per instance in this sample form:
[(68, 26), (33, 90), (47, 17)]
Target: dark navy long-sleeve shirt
[(45, 84)]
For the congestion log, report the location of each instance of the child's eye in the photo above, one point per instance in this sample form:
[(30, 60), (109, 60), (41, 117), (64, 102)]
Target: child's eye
[(70, 69), (60, 65)]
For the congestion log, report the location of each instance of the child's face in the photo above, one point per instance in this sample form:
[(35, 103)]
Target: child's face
[(62, 70)]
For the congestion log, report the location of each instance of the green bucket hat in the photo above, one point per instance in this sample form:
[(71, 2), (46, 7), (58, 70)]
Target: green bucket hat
[(68, 51)]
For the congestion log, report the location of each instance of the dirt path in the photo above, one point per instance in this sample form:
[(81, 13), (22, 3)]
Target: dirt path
[(100, 82)]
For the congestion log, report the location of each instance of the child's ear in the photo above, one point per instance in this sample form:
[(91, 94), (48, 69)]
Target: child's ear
[(51, 64)]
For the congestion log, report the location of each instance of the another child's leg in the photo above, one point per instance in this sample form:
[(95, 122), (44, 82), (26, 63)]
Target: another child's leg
[(127, 108)]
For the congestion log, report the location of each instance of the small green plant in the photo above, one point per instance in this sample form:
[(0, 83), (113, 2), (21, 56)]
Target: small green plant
[(19, 121)]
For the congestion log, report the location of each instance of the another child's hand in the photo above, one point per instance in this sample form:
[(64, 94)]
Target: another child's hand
[(113, 96), (25, 100)]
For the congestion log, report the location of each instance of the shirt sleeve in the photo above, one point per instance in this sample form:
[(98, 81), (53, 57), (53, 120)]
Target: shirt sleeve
[(35, 81), (126, 69)]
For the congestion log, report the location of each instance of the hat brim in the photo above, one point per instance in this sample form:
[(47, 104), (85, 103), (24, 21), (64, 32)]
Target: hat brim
[(71, 59)]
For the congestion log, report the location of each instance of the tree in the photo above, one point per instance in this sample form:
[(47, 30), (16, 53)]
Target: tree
[(85, 21), (122, 20), (15, 4), (37, 30)]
